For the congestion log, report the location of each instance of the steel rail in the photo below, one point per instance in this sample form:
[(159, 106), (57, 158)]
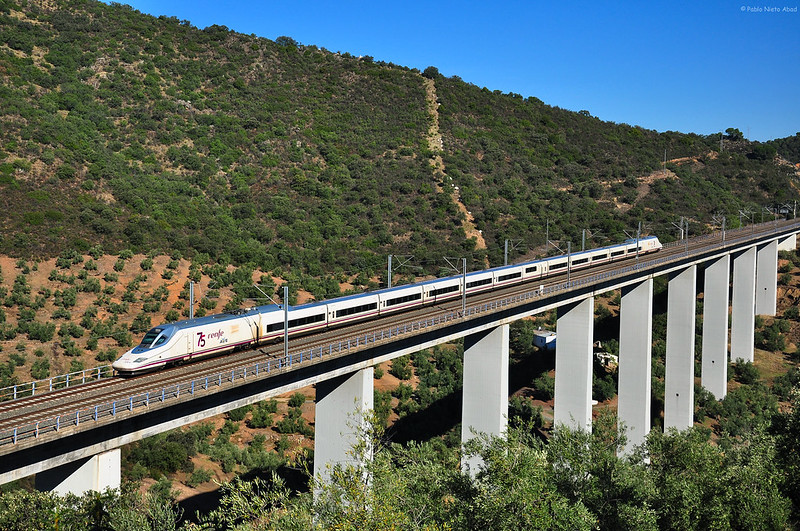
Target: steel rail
[(30, 419)]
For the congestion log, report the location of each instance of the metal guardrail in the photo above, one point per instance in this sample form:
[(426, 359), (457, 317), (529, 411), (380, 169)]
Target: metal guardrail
[(56, 382), (344, 347)]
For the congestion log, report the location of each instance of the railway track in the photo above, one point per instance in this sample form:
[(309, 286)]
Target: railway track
[(44, 407)]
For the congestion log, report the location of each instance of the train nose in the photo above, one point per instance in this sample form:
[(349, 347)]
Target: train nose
[(130, 361)]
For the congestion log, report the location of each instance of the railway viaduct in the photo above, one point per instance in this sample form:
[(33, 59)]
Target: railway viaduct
[(78, 449)]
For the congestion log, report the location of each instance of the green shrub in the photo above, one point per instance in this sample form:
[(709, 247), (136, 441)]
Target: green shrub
[(782, 385), (771, 337), (746, 373), (262, 415), (42, 332), (521, 411), (40, 369), (297, 400), (382, 405), (257, 444), (401, 368), (402, 392), (238, 414), (9, 332), (17, 359), (293, 422), (200, 475), (604, 388), (544, 387), (107, 355), (229, 428), (707, 405), (61, 313), (282, 444)]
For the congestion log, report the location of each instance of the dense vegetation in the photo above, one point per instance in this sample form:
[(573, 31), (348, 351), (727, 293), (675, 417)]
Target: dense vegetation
[(137, 132), (538, 478), (574, 481), (207, 155)]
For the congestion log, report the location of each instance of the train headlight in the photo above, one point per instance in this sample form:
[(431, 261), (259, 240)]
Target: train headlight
[(139, 360)]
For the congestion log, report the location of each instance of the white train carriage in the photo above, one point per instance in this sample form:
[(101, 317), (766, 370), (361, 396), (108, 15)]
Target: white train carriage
[(533, 270), (582, 259), (508, 275), (556, 266), (601, 256), (449, 288), (215, 334), (302, 319), (399, 298), (441, 289), (184, 340), (649, 244), (353, 308), (478, 281), (223, 332)]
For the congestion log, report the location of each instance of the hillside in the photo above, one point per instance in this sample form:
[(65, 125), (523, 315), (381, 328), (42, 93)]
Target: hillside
[(137, 153), (130, 131)]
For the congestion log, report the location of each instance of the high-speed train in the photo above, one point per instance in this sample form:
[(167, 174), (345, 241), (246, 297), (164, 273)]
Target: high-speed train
[(182, 341)]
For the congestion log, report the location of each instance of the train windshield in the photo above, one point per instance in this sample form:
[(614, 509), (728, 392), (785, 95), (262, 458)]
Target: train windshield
[(154, 337)]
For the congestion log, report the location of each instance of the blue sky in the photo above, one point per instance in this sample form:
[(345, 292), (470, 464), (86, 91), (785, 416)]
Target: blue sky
[(692, 67)]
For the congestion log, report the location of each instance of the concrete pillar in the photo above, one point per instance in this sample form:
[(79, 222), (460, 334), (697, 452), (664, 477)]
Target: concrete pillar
[(341, 405), (743, 305), (767, 279), (573, 387), (485, 396), (714, 369), (679, 377), (96, 473), (635, 349), (788, 243)]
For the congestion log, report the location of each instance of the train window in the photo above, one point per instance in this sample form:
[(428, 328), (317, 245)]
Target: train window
[(476, 283), (442, 291), (150, 337), (532, 269), (618, 253), (580, 261), (503, 278), (311, 319), (356, 309), (275, 326), (294, 323), (562, 265), (406, 298)]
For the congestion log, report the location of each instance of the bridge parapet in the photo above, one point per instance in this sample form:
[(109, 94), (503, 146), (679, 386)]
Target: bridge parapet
[(57, 426)]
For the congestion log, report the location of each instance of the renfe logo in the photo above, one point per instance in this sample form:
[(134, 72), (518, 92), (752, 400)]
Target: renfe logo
[(218, 334), (201, 337)]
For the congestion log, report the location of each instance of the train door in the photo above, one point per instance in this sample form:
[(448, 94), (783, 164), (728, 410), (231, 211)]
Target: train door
[(256, 331)]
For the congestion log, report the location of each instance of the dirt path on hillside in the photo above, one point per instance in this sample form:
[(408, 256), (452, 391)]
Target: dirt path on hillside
[(443, 184)]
